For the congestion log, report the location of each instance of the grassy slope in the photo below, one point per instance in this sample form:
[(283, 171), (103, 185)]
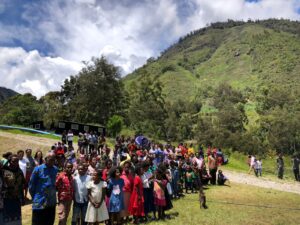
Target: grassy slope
[(245, 56)]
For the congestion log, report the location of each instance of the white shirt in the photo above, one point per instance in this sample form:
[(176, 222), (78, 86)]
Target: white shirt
[(22, 165), (80, 190), (145, 179), (70, 136)]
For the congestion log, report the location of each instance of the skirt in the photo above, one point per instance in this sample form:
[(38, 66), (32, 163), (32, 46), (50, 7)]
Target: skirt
[(12, 212), (126, 197), (148, 200), (94, 215)]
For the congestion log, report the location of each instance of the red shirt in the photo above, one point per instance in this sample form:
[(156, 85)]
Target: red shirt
[(64, 186), (128, 182)]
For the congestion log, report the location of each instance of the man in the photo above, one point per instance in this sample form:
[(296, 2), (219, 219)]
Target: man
[(81, 195), (295, 163), (43, 192), (213, 168), (280, 166), (30, 164)]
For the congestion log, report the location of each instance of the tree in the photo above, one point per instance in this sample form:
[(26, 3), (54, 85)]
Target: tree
[(95, 94), (21, 110), (146, 110), (52, 107), (115, 125)]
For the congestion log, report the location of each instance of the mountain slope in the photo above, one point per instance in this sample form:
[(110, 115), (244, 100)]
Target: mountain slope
[(6, 93), (246, 55)]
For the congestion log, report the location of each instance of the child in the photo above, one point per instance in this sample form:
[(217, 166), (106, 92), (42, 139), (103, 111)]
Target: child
[(127, 189), (147, 179), (115, 186), (258, 167), (189, 178), (221, 178), (64, 186), (96, 211), (159, 193), (136, 205)]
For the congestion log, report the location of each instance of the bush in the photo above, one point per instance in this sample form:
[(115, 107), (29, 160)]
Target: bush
[(114, 125)]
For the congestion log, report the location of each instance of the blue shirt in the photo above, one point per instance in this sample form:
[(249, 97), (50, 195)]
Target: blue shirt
[(42, 187)]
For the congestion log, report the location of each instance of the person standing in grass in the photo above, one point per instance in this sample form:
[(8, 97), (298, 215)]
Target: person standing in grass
[(80, 204), (43, 192), (96, 211), (136, 206), (65, 191), (213, 167), (30, 164), (295, 163), (280, 166), (127, 189), (13, 183), (116, 203)]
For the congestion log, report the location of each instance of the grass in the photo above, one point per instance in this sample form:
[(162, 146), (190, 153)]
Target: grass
[(238, 162), (238, 204), (16, 131)]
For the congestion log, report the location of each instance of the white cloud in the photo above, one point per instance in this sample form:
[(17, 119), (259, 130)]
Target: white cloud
[(127, 32), (30, 72)]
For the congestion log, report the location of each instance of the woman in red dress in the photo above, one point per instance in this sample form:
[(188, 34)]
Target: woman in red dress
[(136, 205)]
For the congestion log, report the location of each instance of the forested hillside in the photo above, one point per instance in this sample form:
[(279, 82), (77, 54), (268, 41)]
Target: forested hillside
[(231, 85)]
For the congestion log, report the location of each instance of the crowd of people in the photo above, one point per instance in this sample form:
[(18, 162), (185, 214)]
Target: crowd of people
[(130, 182)]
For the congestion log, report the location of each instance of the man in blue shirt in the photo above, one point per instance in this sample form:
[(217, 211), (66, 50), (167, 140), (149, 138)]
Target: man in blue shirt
[(43, 192)]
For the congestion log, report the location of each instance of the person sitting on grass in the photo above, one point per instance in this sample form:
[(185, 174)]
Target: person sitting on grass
[(222, 178)]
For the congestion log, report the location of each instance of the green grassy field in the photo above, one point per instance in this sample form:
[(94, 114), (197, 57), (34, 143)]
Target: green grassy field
[(238, 162), (238, 204)]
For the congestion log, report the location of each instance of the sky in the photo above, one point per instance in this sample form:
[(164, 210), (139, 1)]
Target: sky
[(43, 42)]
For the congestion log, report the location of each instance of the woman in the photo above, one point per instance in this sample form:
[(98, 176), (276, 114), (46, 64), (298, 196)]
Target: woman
[(38, 158), (14, 182)]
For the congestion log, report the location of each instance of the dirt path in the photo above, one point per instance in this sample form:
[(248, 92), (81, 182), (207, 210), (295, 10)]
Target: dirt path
[(280, 185)]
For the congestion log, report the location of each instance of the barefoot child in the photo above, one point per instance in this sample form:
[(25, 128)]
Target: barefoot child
[(116, 204), (136, 205), (96, 211)]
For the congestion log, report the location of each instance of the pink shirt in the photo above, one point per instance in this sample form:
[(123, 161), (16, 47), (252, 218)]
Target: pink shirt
[(128, 182)]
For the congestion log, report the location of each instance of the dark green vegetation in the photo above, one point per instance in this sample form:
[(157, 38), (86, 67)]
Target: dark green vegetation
[(6, 93), (233, 85)]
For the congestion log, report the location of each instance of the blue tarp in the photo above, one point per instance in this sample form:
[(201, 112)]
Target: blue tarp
[(6, 127)]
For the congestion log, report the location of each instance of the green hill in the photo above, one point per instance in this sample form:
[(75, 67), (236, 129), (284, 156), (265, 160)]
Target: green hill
[(247, 55), (6, 93)]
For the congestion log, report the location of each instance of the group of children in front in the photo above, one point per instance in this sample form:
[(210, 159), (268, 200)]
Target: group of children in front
[(127, 191)]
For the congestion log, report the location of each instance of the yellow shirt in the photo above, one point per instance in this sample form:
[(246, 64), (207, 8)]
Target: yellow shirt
[(191, 151)]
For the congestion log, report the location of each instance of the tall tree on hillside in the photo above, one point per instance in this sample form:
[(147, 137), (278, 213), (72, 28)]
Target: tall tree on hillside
[(95, 94), (147, 111), (53, 109)]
